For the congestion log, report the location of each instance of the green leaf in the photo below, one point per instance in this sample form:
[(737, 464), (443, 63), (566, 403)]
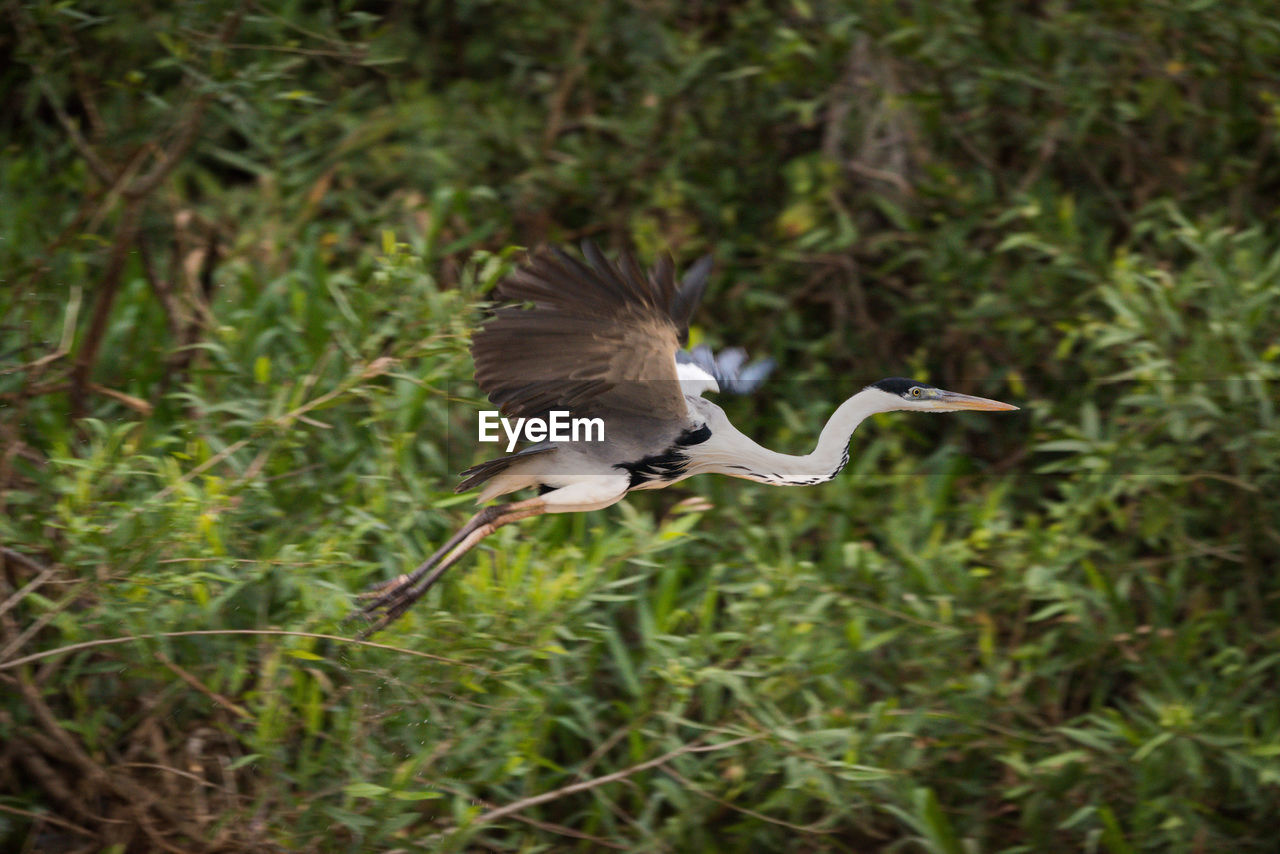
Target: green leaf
[(365, 790)]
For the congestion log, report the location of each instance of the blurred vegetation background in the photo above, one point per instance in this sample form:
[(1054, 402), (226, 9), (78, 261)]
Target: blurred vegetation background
[(242, 246)]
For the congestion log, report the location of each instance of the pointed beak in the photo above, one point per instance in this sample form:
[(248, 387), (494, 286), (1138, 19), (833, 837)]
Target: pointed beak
[(956, 401)]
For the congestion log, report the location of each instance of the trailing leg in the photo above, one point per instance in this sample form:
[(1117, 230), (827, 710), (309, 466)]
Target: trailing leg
[(394, 597), (592, 492)]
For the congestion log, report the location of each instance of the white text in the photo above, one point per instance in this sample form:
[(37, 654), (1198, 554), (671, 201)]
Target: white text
[(557, 427)]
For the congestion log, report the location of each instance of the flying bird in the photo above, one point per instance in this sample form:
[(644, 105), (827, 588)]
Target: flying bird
[(603, 339)]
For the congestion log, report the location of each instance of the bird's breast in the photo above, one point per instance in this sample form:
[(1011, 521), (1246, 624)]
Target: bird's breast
[(656, 470)]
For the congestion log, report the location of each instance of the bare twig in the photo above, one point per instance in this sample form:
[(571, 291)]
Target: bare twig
[(1044, 153), (87, 151), (92, 644), (200, 686), (188, 126), (169, 769), (137, 404), (38, 817), (45, 573), (97, 127), (50, 781), (32, 630), (604, 747), (688, 784), (163, 291), (548, 826), (573, 788), (19, 557), (898, 182), (64, 344), (575, 67), (377, 367), (126, 232), (135, 193), (71, 750), (884, 152), (203, 467)]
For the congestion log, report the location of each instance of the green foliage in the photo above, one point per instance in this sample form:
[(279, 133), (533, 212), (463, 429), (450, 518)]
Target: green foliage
[(238, 393)]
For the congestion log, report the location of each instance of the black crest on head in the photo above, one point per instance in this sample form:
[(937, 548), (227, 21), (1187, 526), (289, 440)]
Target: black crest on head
[(899, 385)]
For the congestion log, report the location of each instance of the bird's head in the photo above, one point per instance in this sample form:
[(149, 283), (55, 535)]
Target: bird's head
[(897, 393)]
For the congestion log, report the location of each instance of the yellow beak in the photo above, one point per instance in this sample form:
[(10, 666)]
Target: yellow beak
[(955, 400)]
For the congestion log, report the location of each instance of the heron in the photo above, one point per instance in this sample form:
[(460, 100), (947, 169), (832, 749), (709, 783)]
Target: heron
[(603, 339)]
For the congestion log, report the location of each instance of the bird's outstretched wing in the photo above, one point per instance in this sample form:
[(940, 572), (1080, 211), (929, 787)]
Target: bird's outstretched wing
[(729, 369), (597, 337)]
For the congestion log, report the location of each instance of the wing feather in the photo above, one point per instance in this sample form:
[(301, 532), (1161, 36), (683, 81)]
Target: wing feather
[(592, 337), (689, 295), (728, 372)]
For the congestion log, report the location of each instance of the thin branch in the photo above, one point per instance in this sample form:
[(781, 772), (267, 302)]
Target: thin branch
[(137, 404), (97, 127), (135, 193), (688, 784), (19, 557), (72, 750), (178, 772), (356, 54), (604, 747), (203, 467), (29, 752), (163, 290), (96, 164), (45, 573), (548, 826), (38, 817), (126, 231), (895, 180), (68, 335), (1044, 153), (200, 686), (76, 647), (573, 788), (376, 368), (555, 118), (33, 629), (188, 127)]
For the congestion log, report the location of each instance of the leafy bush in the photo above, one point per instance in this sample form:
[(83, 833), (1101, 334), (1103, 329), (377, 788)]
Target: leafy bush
[(245, 247)]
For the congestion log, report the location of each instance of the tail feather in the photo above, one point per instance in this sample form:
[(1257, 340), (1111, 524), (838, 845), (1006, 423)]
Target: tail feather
[(480, 472)]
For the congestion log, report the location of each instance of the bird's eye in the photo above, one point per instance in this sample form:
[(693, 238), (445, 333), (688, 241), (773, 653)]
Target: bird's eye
[(915, 392)]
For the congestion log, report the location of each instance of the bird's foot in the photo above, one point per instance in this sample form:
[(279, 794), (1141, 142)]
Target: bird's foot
[(375, 591), (384, 603)]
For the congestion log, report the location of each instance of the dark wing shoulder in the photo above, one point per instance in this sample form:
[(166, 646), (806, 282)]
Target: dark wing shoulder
[(595, 336)]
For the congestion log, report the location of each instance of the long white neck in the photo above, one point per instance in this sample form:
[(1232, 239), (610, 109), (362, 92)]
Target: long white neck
[(730, 452)]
